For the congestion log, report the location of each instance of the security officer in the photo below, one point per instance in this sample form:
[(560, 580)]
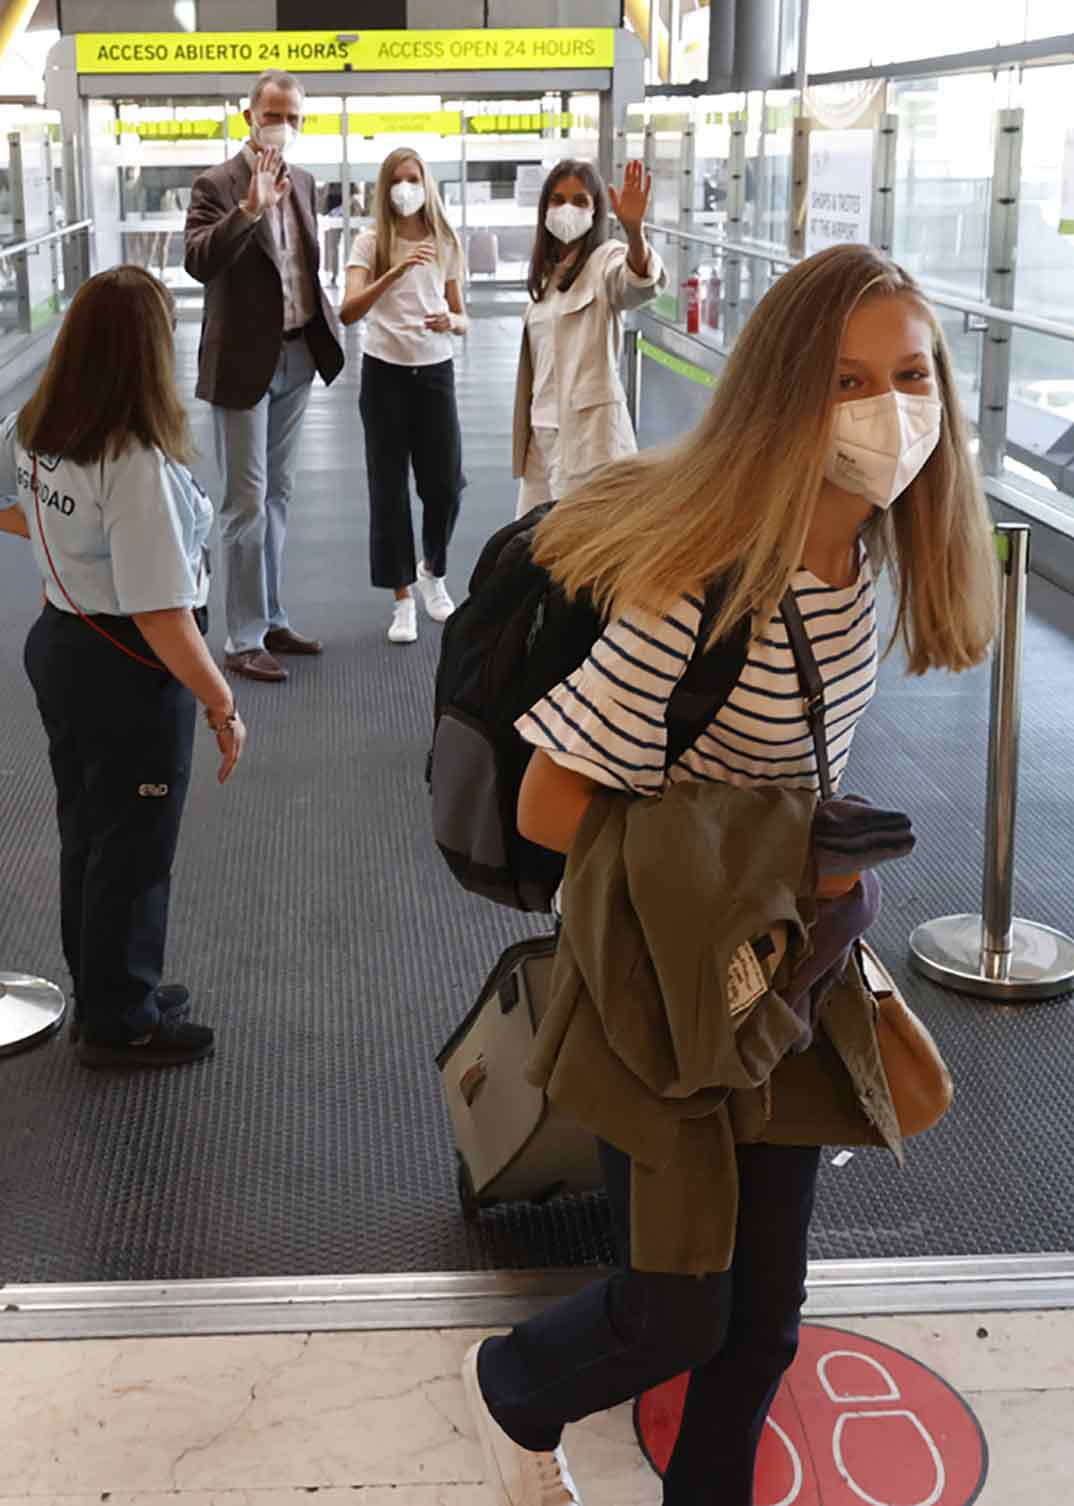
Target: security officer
[(92, 471)]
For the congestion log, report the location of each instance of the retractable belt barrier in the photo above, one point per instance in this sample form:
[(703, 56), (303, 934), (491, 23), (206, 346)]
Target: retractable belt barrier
[(992, 954)]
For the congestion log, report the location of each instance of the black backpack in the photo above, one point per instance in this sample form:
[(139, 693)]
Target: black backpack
[(513, 639)]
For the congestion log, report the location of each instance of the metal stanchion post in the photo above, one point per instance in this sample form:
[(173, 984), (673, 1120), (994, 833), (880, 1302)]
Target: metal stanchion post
[(992, 954), (31, 1009), (633, 375)]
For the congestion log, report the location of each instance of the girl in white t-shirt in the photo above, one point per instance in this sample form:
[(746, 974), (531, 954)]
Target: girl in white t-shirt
[(404, 282)]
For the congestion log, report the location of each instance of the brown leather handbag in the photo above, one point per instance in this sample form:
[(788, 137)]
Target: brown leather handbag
[(920, 1084), (918, 1079)]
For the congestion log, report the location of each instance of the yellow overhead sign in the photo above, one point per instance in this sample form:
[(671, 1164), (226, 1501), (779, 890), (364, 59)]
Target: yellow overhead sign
[(441, 122), (346, 52)]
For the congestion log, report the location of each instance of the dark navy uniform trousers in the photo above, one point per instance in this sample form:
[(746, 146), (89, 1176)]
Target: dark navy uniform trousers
[(120, 739)]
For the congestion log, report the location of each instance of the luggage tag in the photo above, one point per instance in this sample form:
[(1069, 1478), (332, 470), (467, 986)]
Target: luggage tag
[(752, 968)]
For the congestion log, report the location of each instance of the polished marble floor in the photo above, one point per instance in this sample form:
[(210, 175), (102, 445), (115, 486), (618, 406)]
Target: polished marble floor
[(378, 1419)]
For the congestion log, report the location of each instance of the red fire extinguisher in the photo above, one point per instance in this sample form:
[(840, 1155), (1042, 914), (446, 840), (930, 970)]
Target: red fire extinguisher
[(693, 304)]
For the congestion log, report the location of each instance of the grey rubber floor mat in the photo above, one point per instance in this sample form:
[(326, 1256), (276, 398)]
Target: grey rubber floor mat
[(321, 934)]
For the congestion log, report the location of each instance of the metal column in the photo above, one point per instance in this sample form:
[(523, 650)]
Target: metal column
[(619, 155), (1002, 254), (649, 147), (693, 254), (345, 192), (799, 185), (632, 359), (674, 28), (19, 231), (607, 138), (882, 218), (464, 237), (736, 209)]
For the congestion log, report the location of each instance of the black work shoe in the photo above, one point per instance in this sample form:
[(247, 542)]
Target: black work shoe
[(173, 1001), (172, 1044)]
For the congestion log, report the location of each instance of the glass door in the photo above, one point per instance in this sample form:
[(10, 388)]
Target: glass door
[(321, 150), (378, 125), (489, 158), (160, 148), (508, 147)]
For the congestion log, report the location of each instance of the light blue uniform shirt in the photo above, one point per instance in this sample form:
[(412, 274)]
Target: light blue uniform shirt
[(126, 535)]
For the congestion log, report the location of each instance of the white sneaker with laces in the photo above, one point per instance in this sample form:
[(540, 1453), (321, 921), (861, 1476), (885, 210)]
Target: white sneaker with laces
[(438, 603), (514, 1475), (404, 628)]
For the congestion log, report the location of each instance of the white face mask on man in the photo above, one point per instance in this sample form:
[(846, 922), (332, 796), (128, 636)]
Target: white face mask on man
[(568, 222), (407, 198), (879, 444), (281, 136)]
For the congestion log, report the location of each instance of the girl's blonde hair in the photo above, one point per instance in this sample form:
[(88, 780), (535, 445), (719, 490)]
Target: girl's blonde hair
[(736, 497), (436, 221)]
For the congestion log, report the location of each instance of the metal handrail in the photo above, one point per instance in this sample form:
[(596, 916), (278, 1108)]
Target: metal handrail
[(737, 248), (969, 306), (43, 240), (1001, 316)]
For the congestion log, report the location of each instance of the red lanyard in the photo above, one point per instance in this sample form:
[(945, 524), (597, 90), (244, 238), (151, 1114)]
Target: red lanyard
[(140, 658)]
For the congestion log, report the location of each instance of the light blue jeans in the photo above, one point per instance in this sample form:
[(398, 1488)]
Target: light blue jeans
[(256, 450)]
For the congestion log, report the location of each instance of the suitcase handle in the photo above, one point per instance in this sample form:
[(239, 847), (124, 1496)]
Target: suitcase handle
[(472, 1079)]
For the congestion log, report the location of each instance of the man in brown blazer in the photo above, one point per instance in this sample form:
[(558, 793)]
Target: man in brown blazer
[(267, 327)]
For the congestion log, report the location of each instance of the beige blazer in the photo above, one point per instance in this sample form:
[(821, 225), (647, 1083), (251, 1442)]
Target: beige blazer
[(594, 423)]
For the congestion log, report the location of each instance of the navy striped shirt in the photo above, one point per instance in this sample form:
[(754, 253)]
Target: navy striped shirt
[(606, 720)]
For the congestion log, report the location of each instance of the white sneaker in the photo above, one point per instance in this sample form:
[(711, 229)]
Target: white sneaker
[(514, 1475), (404, 628), (438, 603)]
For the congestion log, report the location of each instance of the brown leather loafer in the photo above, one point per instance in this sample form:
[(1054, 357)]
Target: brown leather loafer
[(255, 664), (287, 641)]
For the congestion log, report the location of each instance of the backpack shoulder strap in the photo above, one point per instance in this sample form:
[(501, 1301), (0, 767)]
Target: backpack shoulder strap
[(709, 678)]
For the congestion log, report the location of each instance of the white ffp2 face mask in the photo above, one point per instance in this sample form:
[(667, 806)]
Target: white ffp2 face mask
[(879, 444), (282, 136), (407, 198), (568, 222)]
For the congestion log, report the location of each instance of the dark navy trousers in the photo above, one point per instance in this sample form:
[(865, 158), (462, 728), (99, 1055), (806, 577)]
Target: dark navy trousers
[(120, 740), (736, 1332)]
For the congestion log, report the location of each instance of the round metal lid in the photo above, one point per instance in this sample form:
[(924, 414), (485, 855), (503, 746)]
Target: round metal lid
[(31, 1009)]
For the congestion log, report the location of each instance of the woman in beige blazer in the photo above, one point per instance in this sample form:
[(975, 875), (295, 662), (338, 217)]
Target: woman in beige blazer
[(570, 408)]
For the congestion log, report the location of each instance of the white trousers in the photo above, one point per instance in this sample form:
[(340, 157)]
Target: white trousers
[(544, 478)]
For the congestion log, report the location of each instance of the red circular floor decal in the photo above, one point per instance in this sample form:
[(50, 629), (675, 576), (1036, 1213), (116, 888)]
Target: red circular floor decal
[(854, 1422)]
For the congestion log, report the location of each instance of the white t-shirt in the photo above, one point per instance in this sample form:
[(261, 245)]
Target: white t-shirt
[(541, 320), (125, 535), (394, 329)]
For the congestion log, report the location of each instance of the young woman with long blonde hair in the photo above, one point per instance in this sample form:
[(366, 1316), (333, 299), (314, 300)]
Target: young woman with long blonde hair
[(404, 282), (834, 447)]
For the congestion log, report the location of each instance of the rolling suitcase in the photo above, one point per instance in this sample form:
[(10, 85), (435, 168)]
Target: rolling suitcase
[(511, 1143)]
